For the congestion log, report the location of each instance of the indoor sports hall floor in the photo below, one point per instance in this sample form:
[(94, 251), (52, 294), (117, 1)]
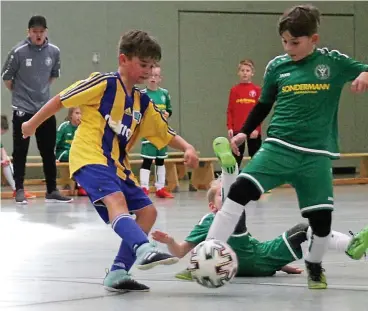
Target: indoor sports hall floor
[(53, 257)]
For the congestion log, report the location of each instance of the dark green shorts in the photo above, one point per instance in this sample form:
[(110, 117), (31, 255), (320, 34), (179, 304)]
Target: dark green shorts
[(149, 151), (269, 257), (309, 174)]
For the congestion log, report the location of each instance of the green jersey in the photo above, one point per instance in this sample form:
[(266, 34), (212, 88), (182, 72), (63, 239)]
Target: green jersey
[(64, 139), (244, 245), (161, 98), (307, 94)]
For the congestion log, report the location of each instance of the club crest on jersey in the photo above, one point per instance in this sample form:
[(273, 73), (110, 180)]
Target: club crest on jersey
[(137, 116), (253, 93), (118, 127), (322, 72), (48, 61)]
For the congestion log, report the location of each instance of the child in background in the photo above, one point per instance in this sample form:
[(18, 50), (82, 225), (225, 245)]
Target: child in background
[(65, 136), (242, 99), (149, 152), (6, 164)]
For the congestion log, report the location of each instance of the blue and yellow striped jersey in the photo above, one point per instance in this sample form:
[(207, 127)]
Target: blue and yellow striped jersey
[(112, 121)]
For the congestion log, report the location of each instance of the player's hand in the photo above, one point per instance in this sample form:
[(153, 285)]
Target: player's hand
[(360, 84), (191, 158), (254, 134), (236, 141), (5, 162), (291, 270), (161, 237), (166, 114), (28, 129), (230, 134)]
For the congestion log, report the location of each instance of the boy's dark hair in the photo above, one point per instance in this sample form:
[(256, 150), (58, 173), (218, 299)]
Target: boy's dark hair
[(4, 123), (300, 20), (141, 44)]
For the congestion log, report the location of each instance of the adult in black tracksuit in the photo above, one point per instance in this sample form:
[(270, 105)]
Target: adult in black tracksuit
[(30, 68)]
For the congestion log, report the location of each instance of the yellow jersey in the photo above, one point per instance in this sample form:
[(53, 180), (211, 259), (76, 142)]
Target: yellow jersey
[(112, 121)]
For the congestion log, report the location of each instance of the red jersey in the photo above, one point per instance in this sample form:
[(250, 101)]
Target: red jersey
[(243, 97)]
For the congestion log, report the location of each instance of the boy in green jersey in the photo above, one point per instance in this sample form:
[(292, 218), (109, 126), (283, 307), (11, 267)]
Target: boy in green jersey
[(65, 134), (255, 258), (306, 84), (64, 138), (149, 152)]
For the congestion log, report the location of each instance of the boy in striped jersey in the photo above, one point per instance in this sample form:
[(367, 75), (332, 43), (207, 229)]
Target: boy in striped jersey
[(115, 114)]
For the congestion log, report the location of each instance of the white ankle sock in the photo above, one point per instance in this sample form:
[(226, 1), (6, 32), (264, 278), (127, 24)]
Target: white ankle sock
[(317, 247), (144, 176), (227, 180), (8, 173), (338, 241), (160, 177), (225, 221)]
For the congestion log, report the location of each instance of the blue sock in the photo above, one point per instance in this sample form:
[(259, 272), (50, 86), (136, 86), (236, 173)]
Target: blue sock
[(124, 259), (133, 236)]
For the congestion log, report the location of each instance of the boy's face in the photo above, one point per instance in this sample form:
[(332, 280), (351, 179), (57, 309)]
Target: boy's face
[(245, 73), (76, 116), (136, 70), (37, 35), (216, 205), (155, 78), (298, 47)]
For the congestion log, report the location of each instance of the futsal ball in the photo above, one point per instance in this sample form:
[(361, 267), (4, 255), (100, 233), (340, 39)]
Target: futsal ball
[(213, 263)]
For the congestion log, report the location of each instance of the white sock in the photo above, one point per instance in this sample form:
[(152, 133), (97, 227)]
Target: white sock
[(8, 173), (338, 241), (227, 180), (317, 247), (160, 177), (144, 176), (225, 220)]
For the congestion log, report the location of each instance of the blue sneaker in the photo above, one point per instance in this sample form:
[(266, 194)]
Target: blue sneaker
[(121, 281), (149, 256)]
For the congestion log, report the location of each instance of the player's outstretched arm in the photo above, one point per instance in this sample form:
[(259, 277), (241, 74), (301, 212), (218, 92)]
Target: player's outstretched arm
[(190, 154), (48, 110), (360, 84), (177, 249)]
